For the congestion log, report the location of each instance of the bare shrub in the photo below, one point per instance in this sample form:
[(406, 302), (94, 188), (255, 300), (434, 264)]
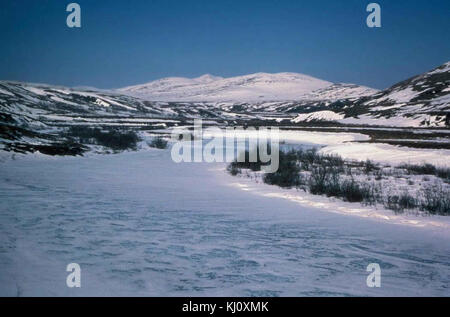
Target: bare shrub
[(233, 170), (427, 169), (369, 166), (353, 192), (325, 180), (158, 143), (406, 201), (436, 200), (288, 173), (116, 139)]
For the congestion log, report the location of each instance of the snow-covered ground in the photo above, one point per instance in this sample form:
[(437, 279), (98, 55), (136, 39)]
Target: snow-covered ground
[(389, 154), (415, 120), (343, 144), (253, 183), (139, 224), (295, 136)]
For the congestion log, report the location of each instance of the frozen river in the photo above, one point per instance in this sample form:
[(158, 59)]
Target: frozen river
[(139, 224)]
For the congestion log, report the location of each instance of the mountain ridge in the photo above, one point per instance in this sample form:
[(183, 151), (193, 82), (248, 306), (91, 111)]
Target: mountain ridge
[(285, 86)]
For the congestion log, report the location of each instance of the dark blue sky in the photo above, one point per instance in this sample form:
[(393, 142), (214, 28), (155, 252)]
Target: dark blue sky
[(129, 42)]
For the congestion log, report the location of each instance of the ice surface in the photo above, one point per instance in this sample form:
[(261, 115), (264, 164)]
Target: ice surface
[(139, 224)]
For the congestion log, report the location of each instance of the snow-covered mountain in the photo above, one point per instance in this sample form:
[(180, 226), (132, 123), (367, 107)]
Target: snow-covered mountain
[(28, 104), (33, 116), (249, 88), (36, 114), (420, 101), (340, 91)]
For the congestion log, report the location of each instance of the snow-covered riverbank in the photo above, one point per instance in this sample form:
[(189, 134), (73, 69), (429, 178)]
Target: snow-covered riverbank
[(252, 183)]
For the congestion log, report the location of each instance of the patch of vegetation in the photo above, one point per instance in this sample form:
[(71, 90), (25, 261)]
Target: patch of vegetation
[(311, 157), (158, 143), (427, 169), (247, 160), (353, 191), (324, 180), (436, 200), (330, 175), (6, 118), (233, 170), (115, 139), (327, 181), (398, 203), (288, 173), (369, 166), (406, 201), (63, 148), (11, 132)]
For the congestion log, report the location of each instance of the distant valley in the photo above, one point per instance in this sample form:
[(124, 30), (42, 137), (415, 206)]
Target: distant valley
[(37, 115)]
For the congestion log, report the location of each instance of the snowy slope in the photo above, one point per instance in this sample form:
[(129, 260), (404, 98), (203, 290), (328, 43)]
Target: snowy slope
[(324, 115), (36, 100), (248, 88), (340, 91), (164, 85), (33, 114), (423, 100)]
